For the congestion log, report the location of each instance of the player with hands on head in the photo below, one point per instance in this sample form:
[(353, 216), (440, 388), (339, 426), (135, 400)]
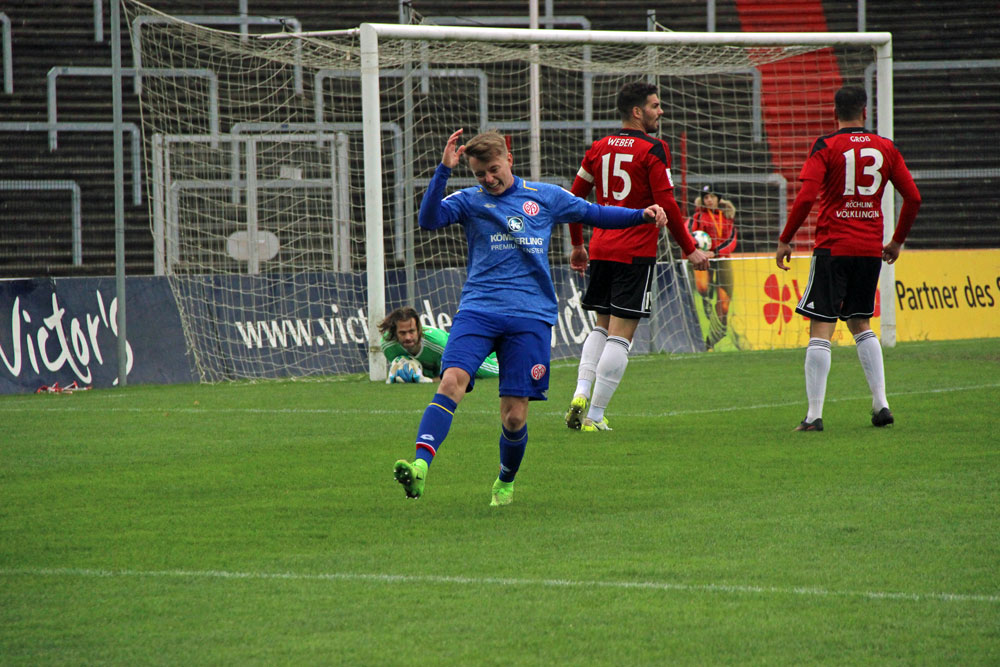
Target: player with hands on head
[(849, 170), (630, 168), (508, 303)]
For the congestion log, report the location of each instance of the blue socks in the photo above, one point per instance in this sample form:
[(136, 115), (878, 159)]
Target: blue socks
[(512, 444), (434, 426), (436, 423)]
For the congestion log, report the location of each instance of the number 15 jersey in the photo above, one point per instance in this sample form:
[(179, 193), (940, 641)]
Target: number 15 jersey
[(630, 169)]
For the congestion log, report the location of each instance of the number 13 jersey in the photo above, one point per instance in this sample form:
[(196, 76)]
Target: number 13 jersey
[(853, 167)]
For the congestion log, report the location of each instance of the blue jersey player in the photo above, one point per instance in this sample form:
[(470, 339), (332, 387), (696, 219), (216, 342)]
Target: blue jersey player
[(508, 303)]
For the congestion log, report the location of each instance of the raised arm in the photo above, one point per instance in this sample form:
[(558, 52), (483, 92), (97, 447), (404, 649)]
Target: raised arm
[(433, 214), (452, 151)]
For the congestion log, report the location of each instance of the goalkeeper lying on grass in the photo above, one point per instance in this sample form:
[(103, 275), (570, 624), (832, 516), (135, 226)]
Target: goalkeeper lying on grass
[(414, 352)]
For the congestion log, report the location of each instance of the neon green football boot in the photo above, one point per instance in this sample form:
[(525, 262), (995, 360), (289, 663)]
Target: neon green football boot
[(577, 409), (590, 426), (503, 493), (411, 476)]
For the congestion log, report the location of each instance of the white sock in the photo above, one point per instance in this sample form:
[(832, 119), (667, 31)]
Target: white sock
[(610, 370), (817, 370), (870, 355), (593, 347)]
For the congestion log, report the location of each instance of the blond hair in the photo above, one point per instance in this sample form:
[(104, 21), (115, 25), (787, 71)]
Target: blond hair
[(486, 145)]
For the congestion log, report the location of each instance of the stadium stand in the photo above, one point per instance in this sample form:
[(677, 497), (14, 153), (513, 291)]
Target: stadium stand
[(944, 116)]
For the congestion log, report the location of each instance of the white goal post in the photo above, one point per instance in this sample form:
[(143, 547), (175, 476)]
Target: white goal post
[(372, 33), (326, 141)]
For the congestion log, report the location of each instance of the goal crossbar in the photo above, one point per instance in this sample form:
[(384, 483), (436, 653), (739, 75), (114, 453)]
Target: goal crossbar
[(557, 36), (370, 33)]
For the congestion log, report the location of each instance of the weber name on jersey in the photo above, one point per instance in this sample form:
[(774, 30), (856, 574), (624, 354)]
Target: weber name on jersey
[(631, 169)]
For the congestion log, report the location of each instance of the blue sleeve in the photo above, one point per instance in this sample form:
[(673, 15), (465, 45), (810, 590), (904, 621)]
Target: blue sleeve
[(612, 217), (575, 209), (436, 213)]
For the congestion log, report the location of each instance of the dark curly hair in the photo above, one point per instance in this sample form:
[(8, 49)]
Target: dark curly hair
[(395, 317), (634, 95)]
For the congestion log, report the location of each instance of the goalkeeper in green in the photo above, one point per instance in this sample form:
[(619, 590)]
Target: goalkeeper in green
[(402, 336)]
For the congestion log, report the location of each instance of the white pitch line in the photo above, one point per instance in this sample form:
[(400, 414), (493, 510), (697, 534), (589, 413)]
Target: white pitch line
[(25, 406), (496, 581)]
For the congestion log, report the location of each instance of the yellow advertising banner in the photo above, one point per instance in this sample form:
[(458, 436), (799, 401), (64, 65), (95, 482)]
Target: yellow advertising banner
[(938, 295), (947, 294)]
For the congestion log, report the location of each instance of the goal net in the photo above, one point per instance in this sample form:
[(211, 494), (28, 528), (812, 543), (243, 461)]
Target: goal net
[(286, 174)]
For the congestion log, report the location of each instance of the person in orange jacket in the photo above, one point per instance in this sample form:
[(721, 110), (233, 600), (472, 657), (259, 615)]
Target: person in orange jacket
[(716, 217)]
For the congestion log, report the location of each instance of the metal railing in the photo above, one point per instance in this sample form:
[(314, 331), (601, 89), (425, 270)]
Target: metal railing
[(469, 73), (98, 21), (932, 65), (77, 218), (8, 56), (548, 21), (242, 21), (925, 65), (131, 128), (56, 72), (166, 189), (710, 11), (777, 180)]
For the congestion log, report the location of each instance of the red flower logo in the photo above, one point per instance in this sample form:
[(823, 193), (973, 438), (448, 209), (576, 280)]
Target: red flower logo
[(777, 308)]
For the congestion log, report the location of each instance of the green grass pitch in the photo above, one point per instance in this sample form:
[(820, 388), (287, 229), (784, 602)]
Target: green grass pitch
[(260, 523)]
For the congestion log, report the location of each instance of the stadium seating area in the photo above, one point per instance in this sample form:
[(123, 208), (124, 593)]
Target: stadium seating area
[(945, 112)]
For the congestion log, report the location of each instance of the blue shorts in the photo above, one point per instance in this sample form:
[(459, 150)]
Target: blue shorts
[(523, 346)]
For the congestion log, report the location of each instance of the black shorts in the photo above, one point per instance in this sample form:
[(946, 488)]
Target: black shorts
[(619, 289), (840, 287)]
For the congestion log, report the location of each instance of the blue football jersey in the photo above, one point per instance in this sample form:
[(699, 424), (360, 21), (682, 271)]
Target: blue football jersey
[(508, 237)]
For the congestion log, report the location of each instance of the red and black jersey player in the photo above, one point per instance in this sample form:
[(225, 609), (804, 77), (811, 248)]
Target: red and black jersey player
[(629, 168), (849, 170)]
